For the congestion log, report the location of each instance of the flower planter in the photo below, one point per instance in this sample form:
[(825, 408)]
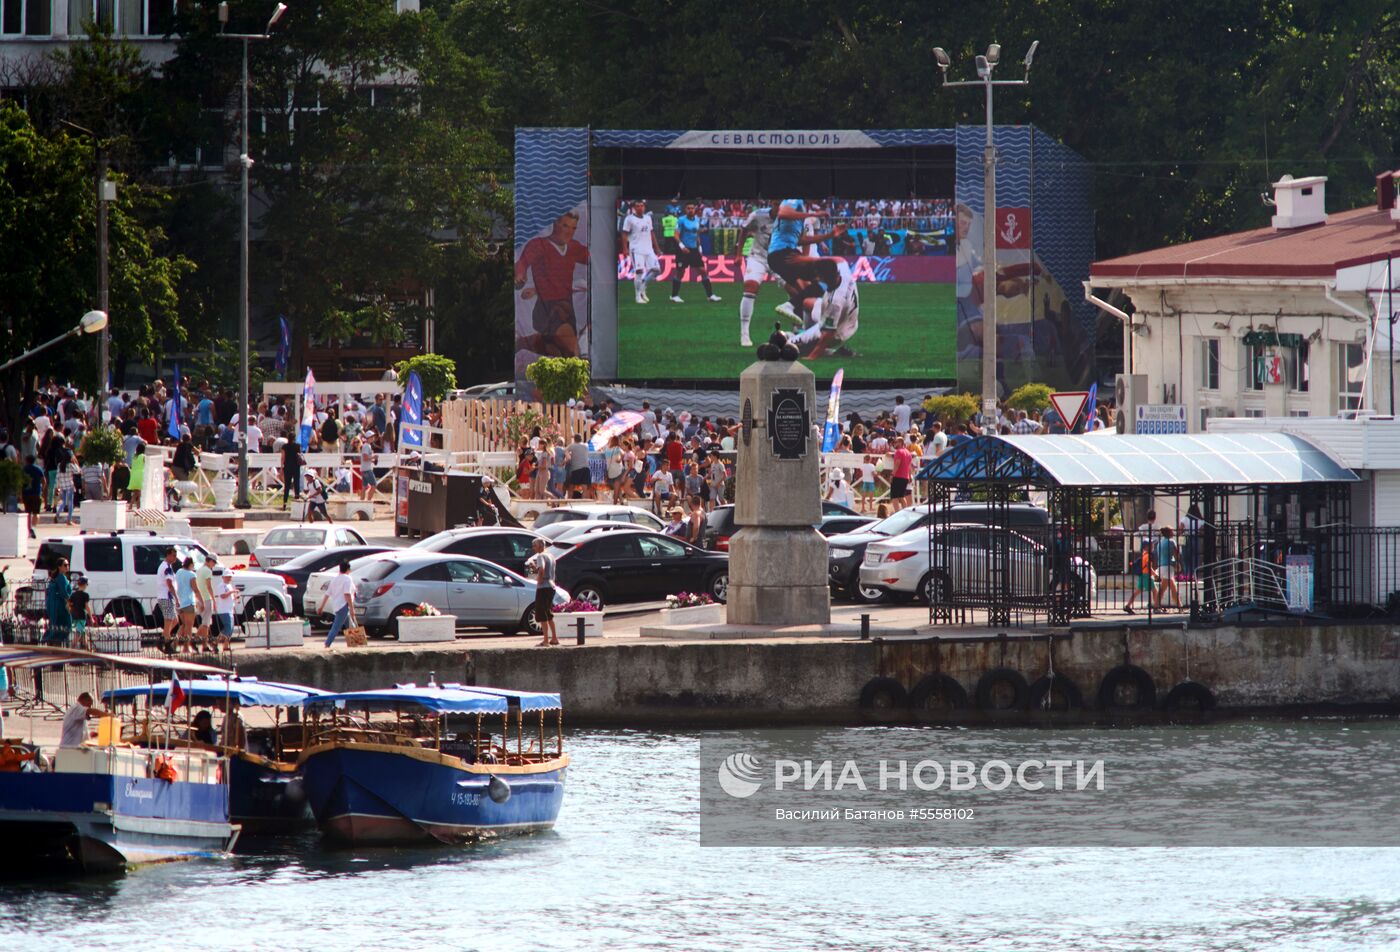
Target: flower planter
[(426, 628), (277, 634), (224, 488), (117, 639), (14, 535), (96, 516), (694, 615), (566, 624)]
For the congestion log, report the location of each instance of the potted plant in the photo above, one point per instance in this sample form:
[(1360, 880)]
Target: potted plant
[(103, 447), (568, 615), (272, 629), (423, 623), (692, 608), (14, 526)]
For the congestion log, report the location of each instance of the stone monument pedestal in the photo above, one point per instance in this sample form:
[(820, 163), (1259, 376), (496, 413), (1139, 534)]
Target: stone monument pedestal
[(777, 561), (777, 576)]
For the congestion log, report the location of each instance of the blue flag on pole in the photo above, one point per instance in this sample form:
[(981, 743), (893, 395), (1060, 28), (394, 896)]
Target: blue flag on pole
[(410, 433), (173, 425), (1091, 420), (308, 410), (284, 347)]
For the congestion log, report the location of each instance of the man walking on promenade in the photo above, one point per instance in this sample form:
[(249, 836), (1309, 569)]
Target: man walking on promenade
[(340, 593), (541, 567)]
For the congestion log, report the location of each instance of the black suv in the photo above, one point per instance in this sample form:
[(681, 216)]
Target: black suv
[(719, 524)]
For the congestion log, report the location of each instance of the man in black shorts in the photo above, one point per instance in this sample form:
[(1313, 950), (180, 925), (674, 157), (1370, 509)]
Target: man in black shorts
[(541, 567)]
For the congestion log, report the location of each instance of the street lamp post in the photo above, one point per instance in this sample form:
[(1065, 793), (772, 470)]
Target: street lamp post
[(986, 64), (93, 322), (245, 162), (106, 192)]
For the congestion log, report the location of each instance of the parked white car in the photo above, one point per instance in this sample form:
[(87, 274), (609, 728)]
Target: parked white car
[(120, 569), (285, 542), (577, 512), (317, 582), (901, 566)]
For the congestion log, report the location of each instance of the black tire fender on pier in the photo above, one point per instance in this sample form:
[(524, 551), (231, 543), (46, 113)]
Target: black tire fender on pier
[(938, 693), (883, 693), (1127, 687), (1189, 697), (1055, 693), (1002, 689)]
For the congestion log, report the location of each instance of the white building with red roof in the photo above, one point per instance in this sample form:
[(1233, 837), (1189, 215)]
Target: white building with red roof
[(1291, 320)]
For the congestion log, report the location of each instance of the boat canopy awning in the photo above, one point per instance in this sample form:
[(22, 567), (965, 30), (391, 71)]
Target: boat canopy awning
[(48, 656), (443, 699), (248, 692), (1221, 459)]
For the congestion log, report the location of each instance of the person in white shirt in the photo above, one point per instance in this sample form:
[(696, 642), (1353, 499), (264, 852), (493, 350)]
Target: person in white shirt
[(75, 721), (340, 595), (642, 247), (840, 491), (255, 438), (901, 415)]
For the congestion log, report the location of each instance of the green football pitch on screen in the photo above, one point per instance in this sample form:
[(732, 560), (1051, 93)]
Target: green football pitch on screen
[(907, 332)]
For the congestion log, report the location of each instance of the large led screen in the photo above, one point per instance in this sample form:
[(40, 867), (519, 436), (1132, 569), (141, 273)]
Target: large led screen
[(870, 287)]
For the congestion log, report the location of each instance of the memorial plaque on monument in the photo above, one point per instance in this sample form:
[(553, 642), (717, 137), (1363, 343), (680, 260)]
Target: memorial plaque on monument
[(789, 423)]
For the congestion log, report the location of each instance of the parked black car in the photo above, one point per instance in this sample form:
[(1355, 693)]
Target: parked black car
[(506, 547), (640, 567), (296, 571), (846, 552), (719, 524)]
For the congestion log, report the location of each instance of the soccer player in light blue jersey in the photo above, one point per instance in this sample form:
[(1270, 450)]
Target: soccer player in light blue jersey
[(805, 275), (688, 254)]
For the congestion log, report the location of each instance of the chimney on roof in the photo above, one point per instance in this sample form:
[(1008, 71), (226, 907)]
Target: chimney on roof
[(1387, 189), (1300, 202)]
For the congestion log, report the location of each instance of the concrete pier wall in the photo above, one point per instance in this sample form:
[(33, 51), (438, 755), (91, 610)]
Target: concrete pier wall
[(642, 682)]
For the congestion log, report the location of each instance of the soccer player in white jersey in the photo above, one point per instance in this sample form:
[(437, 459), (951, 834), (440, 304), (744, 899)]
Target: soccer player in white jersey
[(758, 227), (832, 322), (638, 229)]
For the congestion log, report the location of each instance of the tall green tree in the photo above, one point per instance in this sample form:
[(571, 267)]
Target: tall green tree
[(48, 271)]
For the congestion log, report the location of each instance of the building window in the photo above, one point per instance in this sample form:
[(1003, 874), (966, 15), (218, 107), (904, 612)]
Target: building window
[(1298, 413), (1295, 367), (1253, 413), (1351, 372), (1210, 363), (121, 17), (26, 17)]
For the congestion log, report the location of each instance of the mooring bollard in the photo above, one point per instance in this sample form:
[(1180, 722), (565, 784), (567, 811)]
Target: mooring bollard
[(581, 624), (865, 627)]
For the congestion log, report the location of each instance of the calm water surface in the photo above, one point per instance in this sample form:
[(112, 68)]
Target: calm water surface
[(624, 870)]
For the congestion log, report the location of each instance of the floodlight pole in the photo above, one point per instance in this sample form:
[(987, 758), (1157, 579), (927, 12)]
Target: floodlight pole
[(986, 65), (243, 499)]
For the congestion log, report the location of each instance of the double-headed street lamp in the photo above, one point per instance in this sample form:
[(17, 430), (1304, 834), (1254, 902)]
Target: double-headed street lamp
[(986, 64), (245, 161)]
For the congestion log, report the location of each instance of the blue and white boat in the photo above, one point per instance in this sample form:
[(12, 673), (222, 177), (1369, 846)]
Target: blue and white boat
[(109, 804), (265, 789), (445, 762)]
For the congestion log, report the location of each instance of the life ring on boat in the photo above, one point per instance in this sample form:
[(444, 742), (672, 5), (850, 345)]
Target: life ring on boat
[(1127, 687), (165, 770)]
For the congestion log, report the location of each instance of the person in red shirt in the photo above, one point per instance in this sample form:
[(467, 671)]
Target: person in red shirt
[(901, 472), (148, 427), (551, 262), (675, 452)]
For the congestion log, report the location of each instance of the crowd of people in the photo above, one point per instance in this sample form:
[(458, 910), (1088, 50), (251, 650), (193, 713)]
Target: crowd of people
[(56, 419)]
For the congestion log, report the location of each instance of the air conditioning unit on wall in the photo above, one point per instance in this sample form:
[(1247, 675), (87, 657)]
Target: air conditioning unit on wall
[(1129, 390)]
